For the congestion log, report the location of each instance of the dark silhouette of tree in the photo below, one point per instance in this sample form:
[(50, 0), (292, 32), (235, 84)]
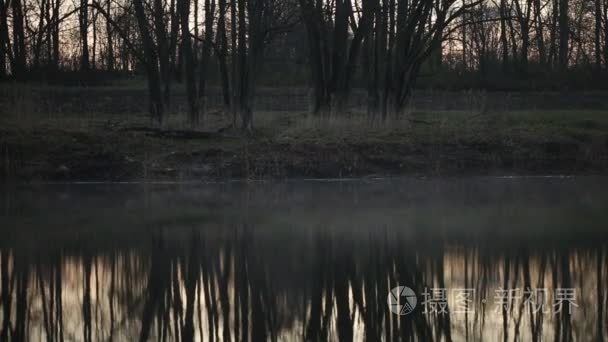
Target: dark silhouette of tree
[(382, 46)]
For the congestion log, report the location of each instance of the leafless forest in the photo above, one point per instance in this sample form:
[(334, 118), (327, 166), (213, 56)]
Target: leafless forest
[(384, 48)]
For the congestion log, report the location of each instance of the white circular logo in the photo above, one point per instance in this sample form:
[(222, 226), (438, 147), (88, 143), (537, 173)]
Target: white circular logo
[(402, 300)]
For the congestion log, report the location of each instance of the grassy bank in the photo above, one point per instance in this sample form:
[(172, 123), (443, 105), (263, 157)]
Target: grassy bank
[(104, 147)]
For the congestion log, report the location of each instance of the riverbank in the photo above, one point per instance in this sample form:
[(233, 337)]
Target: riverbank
[(294, 145)]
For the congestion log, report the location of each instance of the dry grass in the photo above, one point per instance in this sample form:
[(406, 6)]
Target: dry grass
[(285, 143)]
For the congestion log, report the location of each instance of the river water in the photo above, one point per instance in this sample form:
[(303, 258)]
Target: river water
[(477, 259)]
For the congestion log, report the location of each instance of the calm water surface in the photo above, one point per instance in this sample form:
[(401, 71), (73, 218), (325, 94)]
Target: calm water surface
[(484, 259)]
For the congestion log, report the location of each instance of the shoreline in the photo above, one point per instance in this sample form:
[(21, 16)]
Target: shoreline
[(264, 161), (292, 145)]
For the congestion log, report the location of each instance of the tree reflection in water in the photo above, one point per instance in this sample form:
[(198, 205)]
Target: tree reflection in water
[(305, 261), (238, 287)]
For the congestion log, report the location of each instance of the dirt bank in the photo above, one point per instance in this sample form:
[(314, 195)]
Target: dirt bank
[(283, 148)]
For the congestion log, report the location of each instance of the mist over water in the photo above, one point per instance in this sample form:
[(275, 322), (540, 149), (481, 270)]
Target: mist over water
[(305, 260)]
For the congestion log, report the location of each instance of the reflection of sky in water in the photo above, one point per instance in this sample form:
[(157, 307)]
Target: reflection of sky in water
[(299, 260)]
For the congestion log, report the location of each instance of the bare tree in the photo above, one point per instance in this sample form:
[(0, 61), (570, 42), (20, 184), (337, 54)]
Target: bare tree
[(151, 62), (160, 29), (598, 34), (382, 44), (109, 39), (523, 19), (254, 24), (209, 8), (83, 21), (420, 27), (332, 59), (221, 43), (4, 39), (540, 33), (564, 34), (190, 62), (19, 53), (55, 33)]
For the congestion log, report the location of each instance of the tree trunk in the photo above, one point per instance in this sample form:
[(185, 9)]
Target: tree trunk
[(110, 43), (564, 34), (370, 69), (196, 36), (388, 76), (94, 57), (598, 35), (524, 25), (332, 59), (553, 35), (540, 37), (503, 36), (56, 42), (163, 48), (524, 50), (464, 41), (19, 64), (364, 26), (339, 55), (512, 36), (37, 48), (124, 50), (234, 61), (242, 92), (316, 59), (48, 32), (222, 52), (173, 50), (84, 33), (605, 20), (151, 64), (3, 40), (190, 63), (209, 8)]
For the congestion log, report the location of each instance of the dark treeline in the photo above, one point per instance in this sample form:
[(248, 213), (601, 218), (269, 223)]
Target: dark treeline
[(383, 46)]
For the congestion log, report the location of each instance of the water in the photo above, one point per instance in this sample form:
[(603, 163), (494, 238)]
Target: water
[(301, 260)]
